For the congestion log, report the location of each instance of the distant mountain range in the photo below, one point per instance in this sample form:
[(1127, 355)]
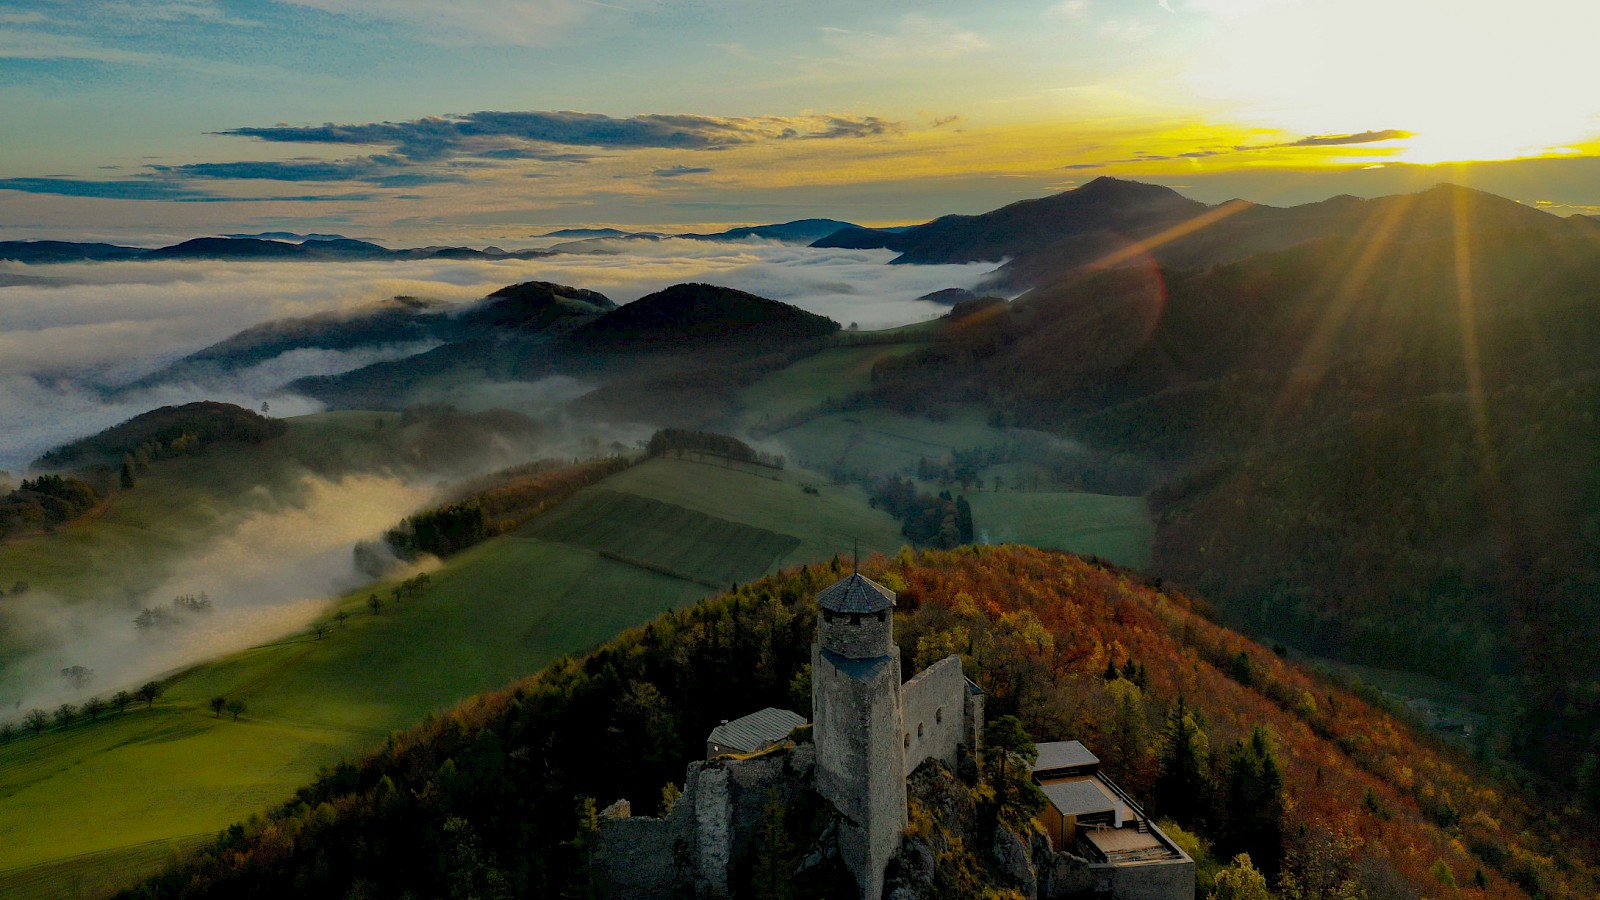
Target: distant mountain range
[(285, 245)]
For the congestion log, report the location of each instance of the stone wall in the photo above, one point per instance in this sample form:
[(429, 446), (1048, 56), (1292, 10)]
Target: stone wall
[(714, 825), (934, 707), (857, 635)]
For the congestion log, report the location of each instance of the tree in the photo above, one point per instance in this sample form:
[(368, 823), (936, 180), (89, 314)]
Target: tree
[(126, 475), (581, 881), (669, 798), (78, 676), (1252, 804), (778, 855), (340, 616), (375, 603), (120, 700), (65, 714), (216, 704), (36, 720), (235, 708), (1010, 754), (320, 629), (93, 707), (1240, 881), (1183, 786), (964, 520), (6, 730), (148, 692)]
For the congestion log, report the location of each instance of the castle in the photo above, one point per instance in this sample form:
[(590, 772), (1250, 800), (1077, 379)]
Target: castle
[(869, 733)]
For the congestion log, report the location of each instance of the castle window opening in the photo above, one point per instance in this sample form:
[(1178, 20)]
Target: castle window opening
[(919, 731), (855, 618), (938, 715), (908, 740)]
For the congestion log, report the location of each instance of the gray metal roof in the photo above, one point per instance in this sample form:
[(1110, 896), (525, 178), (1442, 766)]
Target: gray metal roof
[(1063, 755), (856, 594), (1077, 798), (862, 670), (756, 730)]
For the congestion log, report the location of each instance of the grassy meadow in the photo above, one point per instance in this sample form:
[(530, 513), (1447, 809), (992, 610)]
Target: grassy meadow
[(113, 796)]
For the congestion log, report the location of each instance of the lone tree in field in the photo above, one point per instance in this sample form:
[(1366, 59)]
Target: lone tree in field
[(35, 720), (320, 629), (148, 692), (93, 707), (217, 703), (120, 700), (375, 603), (235, 707), (340, 616), (64, 714), (6, 730)]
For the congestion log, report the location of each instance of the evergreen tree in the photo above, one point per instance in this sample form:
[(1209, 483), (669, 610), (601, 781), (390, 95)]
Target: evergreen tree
[(779, 856), (1252, 804), (964, 520), (1183, 784)]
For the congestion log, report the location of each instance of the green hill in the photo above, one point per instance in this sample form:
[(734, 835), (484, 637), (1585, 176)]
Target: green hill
[(650, 539)]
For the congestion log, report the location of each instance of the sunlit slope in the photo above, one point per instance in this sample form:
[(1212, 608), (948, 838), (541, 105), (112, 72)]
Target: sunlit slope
[(824, 523), (495, 612), (650, 539), (128, 545), (1118, 529)]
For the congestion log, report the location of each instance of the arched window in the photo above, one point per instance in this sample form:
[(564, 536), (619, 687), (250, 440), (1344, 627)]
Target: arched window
[(938, 715), (919, 731), (908, 740)]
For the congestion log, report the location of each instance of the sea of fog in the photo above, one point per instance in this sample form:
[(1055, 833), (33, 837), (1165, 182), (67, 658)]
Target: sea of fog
[(70, 332), (96, 325)]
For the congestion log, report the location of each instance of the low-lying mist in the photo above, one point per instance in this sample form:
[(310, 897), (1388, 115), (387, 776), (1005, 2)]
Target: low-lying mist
[(266, 578), (103, 325)]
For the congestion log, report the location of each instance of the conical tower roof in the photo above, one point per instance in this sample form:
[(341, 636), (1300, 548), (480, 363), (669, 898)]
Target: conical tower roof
[(856, 594)]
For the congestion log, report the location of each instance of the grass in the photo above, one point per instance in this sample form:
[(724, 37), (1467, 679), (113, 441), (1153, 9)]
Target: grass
[(496, 612), (671, 537), (882, 442), (824, 523), (831, 374), (102, 802), (129, 545), (1114, 528)]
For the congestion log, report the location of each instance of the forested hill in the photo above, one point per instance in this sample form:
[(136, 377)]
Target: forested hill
[(488, 800), (169, 430), (689, 315)]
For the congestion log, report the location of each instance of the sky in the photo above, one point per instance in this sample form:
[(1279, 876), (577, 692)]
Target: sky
[(492, 121)]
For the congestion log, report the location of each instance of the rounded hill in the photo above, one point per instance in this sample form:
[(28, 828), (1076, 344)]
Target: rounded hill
[(688, 315)]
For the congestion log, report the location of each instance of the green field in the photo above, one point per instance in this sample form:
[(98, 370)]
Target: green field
[(883, 442), (128, 546), (825, 523), (831, 374), (112, 796), (496, 612), (1118, 529)]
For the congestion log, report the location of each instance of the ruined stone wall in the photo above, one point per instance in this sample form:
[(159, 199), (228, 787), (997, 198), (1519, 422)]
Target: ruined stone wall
[(934, 706), (715, 823)]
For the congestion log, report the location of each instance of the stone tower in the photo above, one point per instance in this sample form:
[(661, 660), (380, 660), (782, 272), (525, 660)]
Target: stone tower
[(859, 726)]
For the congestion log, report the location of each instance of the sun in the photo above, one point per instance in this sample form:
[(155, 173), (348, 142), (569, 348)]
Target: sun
[(1472, 80)]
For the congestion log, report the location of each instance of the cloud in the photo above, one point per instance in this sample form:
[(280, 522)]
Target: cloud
[(678, 171), (384, 171), (145, 188), (63, 346), (1338, 140), (123, 189), (535, 131)]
